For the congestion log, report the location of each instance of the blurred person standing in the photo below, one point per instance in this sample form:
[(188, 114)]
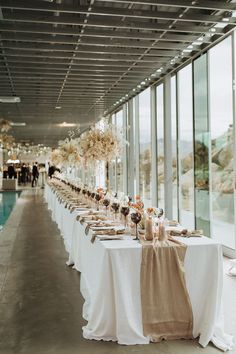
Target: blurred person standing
[(23, 173), (11, 171), (35, 174), (51, 170)]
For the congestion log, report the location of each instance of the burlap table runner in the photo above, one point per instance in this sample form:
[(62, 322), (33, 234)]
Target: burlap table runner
[(166, 307)]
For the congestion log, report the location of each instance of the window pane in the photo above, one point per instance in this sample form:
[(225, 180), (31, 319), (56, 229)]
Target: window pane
[(145, 145), (119, 160), (222, 157), (112, 165), (174, 147), (201, 145), (160, 145), (185, 129)]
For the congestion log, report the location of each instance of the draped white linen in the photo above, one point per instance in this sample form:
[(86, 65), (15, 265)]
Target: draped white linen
[(110, 283)]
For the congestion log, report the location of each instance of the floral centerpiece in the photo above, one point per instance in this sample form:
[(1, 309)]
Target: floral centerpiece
[(138, 204)]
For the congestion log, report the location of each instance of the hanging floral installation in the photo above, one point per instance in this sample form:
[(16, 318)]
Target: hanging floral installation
[(56, 157), (5, 125), (101, 144), (69, 151), (6, 141)]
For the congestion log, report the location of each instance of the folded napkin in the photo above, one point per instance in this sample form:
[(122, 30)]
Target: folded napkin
[(186, 233), (172, 223), (107, 234), (96, 226)]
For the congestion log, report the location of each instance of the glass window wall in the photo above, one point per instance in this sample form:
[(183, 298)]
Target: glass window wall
[(174, 148), (185, 147), (201, 145), (119, 160), (222, 143), (145, 146), (160, 146)]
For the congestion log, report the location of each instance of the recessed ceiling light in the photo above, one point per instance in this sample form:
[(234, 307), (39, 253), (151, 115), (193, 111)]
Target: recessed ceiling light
[(187, 51), (220, 25), (9, 99), (65, 124), (58, 107), (200, 39), (225, 19), (18, 124)]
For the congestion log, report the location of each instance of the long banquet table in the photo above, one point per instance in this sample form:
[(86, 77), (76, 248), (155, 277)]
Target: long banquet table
[(110, 282)]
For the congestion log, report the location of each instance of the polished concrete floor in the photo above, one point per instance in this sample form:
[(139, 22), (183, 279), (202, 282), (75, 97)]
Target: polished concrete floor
[(40, 301)]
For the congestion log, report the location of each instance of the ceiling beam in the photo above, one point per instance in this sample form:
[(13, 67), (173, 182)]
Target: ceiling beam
[(140, 33), (40, 6), (204, 5), (98, 57), (106, 23), (101, 41), (45, 29), (86, 69), (66, 62), (28, 72), (57, 80), (95, 50), (86, 44)]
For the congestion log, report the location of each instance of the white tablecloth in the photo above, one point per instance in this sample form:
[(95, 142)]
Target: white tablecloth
[(110, 283)]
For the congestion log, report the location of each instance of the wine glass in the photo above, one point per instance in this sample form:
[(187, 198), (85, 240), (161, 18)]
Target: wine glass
[(93, 199), (136, 218), (115, 206), (125, 211), (106, 203), (88, 193), (84, 192), (160, 213), (98, 197)]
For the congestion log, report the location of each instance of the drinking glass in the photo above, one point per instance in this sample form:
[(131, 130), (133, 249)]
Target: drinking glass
[(136, 218), (106, 203), (115, 206), (125, 211)]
